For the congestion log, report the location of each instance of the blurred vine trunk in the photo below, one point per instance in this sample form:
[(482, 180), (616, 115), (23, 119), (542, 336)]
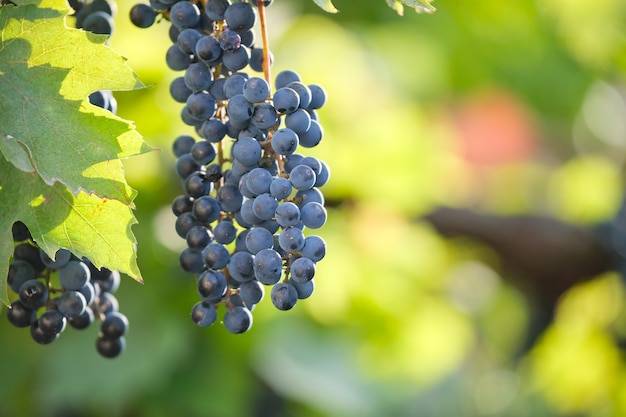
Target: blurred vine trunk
[(541, 256)]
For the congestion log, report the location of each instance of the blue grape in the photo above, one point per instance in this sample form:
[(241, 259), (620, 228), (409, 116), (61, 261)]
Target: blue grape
[(206, 209), (71, 304), (302, 177), (287, 214), (182, 145), (186, 165), (142, 15), (285, 141), (198, 237), (176, 59), (106, 303), (115, 325), (304, 290), (291, 239), (251, 292), (212, 286), (179, 90), (240, 266), (230, 198), (313, 136), (184, 223), (264, 116), (191, 260), (184, 14), (208, 49), (323, 176), (268, 266), (318, 96), (201, 105), (236, 59), (21, 316), (215, 9), (302, 270), (99, 22), (264, 206), (247, 38), (247, 151), (216, 256), (313, 215), (284, 296), (286, 77), (187, 40), (82, 321), (110, 347), (234, 85), (299, 121), (239, 108), (292, 161), (230, 40), (74, 275), (270, 224), (182, 204), (20, 271), (240, 17), (248, 215), (238, 320), (286, 100), (198, 77), (308, 196), (203, 314), (280, 188), (243, 187), (203, 152), (33, 294), (225, 231), (314, 248), (52, 322), (303, 92), (89, 292), (259, 180), (256, 90), (196, 185), (217, 89), (40, 336), (258, 239), (213, 130)]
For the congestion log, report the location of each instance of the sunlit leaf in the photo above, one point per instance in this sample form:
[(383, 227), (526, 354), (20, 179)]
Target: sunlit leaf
[(326, 5), (47, 70)]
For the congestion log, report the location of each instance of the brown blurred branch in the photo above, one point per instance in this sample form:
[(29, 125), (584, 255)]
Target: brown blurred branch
[(541, 256)]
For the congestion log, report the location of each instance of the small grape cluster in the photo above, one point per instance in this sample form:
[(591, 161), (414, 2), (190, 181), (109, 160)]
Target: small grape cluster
[(243, 216), (65, 289), (95, 16)]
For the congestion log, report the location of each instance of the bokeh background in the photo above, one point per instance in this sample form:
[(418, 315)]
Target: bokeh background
[(510, 107)]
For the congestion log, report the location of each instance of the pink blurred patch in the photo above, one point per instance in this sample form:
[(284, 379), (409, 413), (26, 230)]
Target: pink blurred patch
[(494, 128)]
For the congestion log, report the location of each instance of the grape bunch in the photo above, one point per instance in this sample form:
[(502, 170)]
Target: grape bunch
[(250, 195), (54, 292)]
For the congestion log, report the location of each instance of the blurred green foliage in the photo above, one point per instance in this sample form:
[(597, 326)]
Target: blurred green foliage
[(403, 322)]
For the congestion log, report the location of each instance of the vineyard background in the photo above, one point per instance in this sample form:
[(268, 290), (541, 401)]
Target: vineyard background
[(513, 107)]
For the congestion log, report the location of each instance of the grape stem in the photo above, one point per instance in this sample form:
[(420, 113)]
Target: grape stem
[(266, 43)]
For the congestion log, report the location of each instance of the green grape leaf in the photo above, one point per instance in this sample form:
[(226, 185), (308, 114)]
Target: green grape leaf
[(47, 125), (420, 6), (87, 225), (326, 5)]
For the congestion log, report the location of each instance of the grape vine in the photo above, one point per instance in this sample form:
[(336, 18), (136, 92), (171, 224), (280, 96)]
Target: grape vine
[(248, 194)]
